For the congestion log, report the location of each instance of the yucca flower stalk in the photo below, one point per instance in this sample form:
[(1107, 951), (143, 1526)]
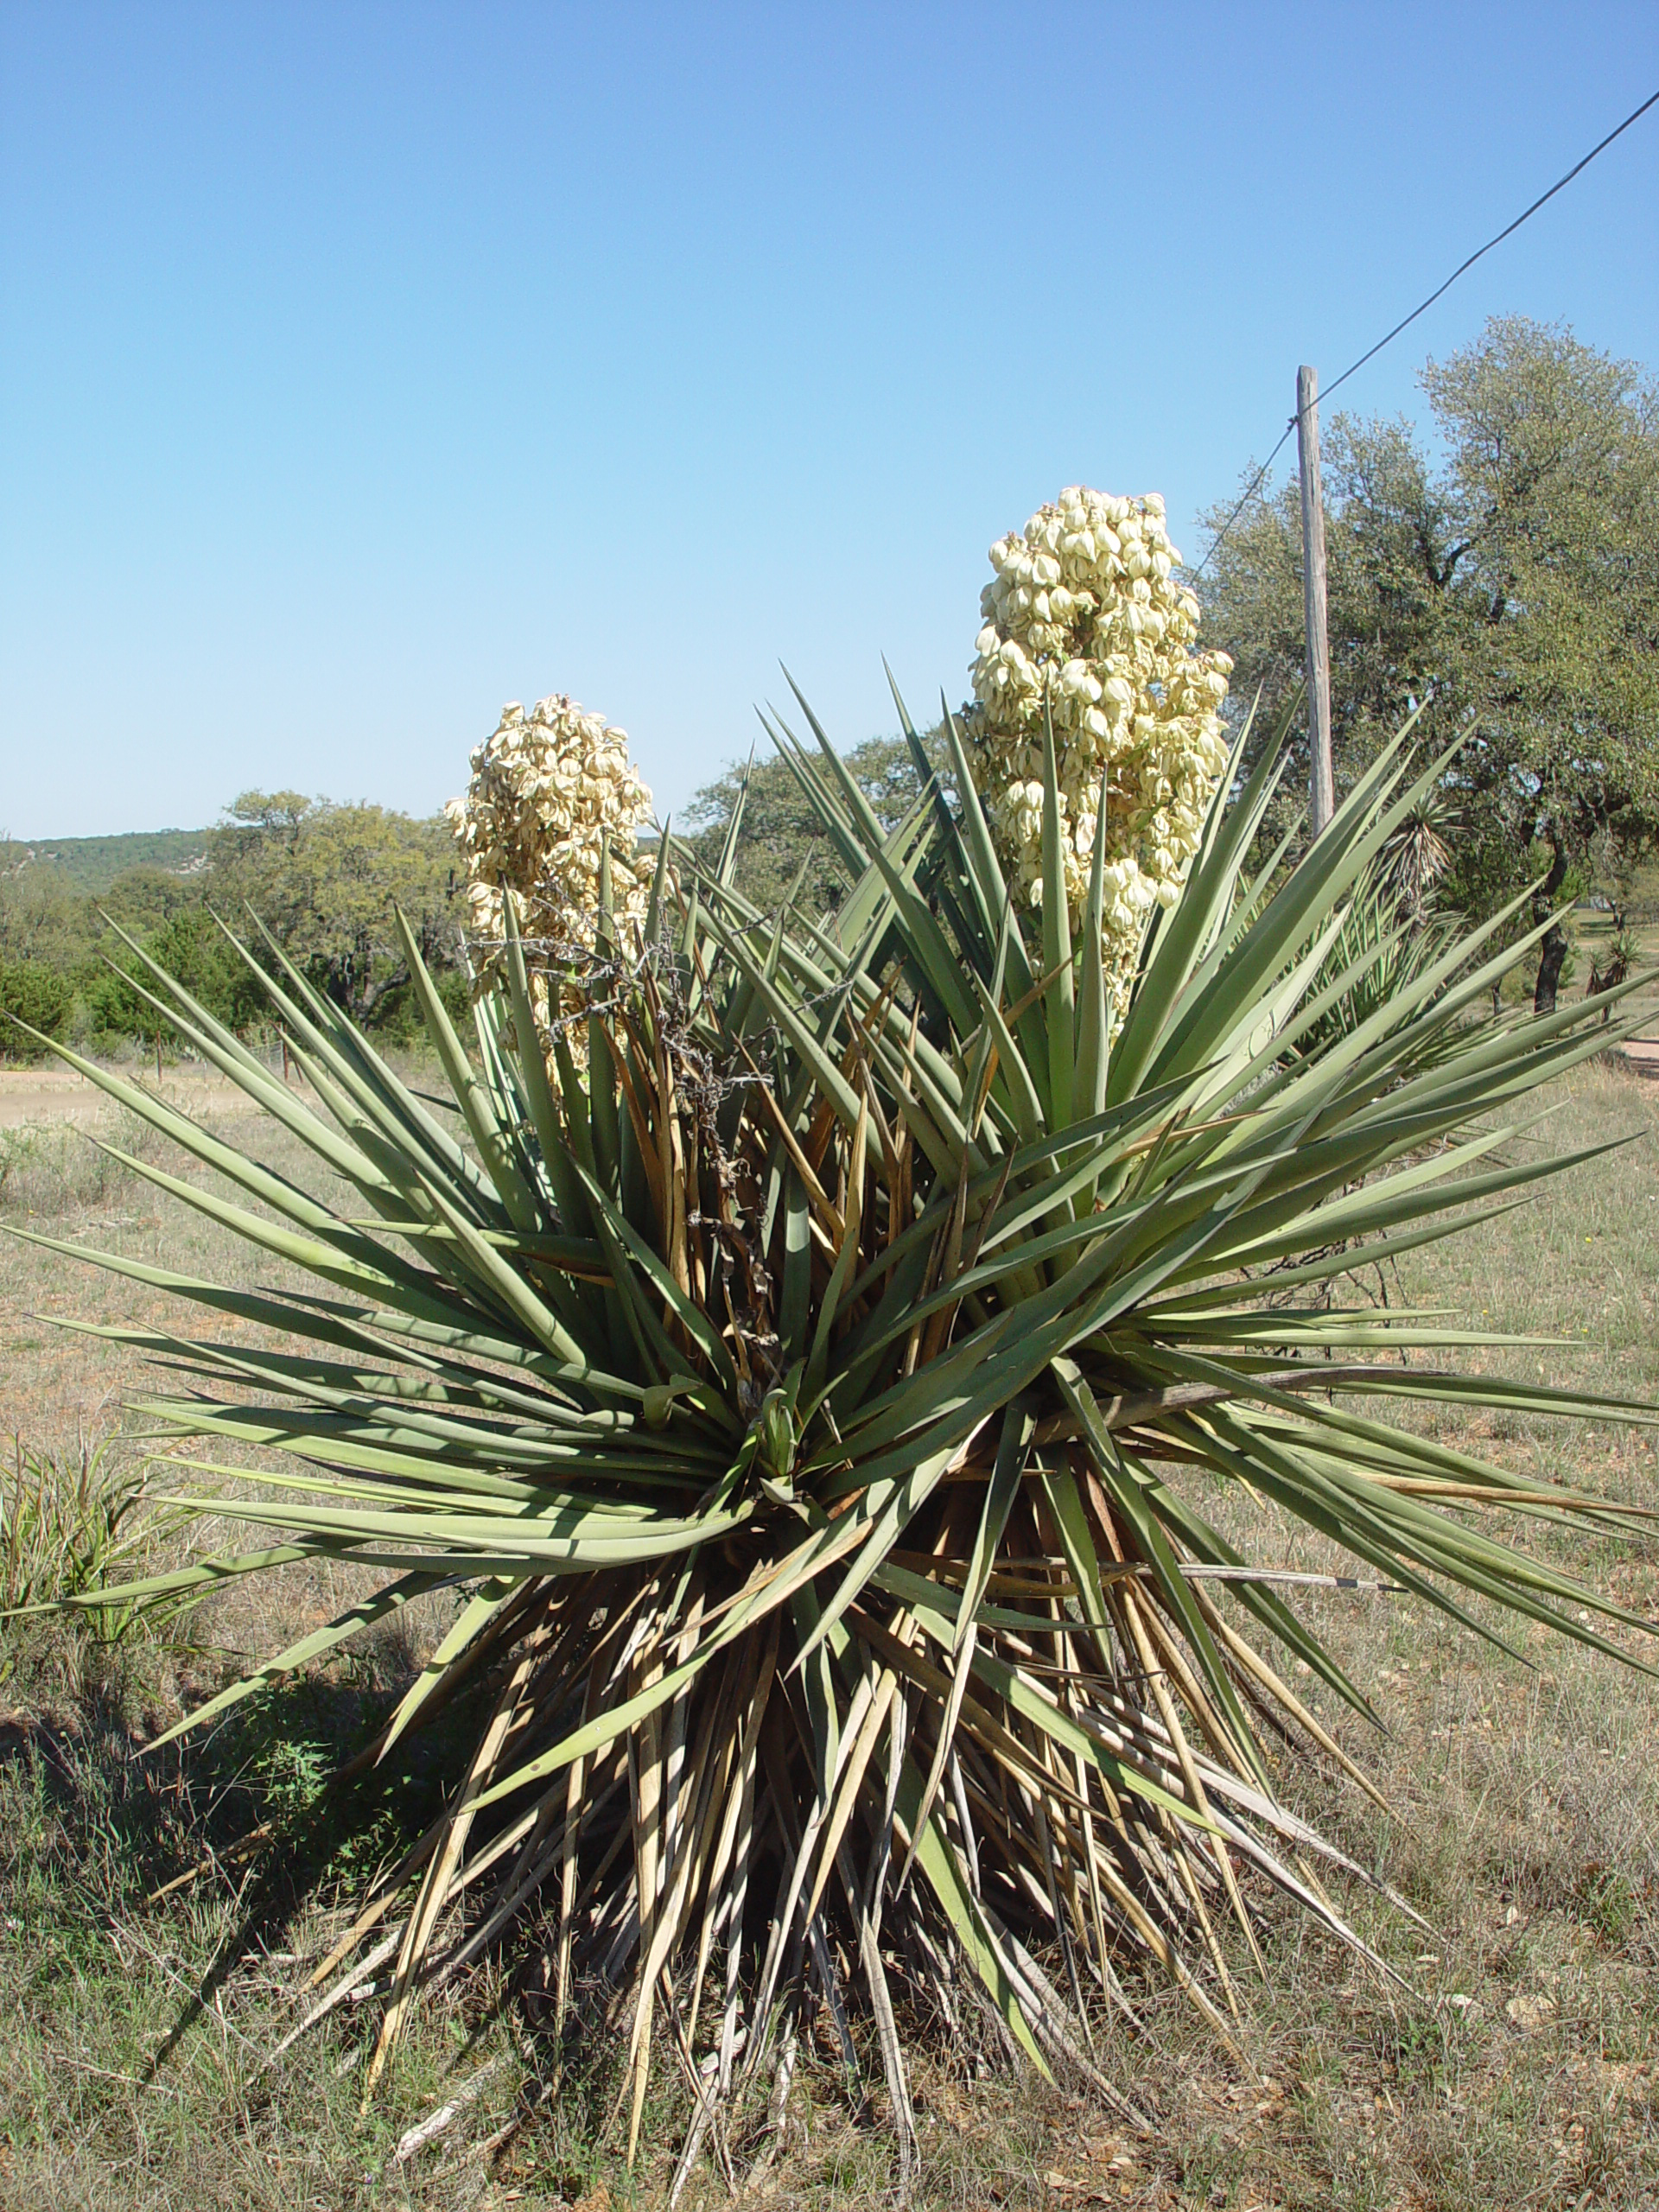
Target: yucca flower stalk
[(1089, 641), (810, 1394), (551, 793)]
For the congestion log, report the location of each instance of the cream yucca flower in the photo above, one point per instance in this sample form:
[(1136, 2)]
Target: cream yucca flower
[(1085, 612), (551, 791)]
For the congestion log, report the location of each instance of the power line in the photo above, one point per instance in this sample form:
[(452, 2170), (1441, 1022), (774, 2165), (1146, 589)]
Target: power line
[(1634, 117), (1508, 230), (1249, 494)]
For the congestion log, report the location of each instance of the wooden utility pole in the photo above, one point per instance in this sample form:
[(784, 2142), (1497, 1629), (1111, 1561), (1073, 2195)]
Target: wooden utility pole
[(1321, 784)]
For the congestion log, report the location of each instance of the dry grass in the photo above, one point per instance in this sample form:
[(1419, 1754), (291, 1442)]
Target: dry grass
[(62, 1388), (1520, 2071)]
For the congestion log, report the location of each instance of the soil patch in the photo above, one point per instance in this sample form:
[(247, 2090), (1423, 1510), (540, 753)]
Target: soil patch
[(30, 1094)]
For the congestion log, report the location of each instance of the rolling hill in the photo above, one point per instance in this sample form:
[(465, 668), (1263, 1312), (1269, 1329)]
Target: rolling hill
[(91, 864)]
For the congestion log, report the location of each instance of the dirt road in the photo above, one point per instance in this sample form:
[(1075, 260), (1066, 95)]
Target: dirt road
[(53, 1094)]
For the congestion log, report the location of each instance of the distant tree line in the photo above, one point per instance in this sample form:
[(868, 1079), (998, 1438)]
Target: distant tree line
[(324, 880)]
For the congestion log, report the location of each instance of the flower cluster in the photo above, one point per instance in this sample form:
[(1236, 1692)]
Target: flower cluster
[(1085, 617), (551, 791)]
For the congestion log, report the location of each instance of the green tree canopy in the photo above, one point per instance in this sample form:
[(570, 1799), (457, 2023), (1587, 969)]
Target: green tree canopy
[(54, 928), (32, 998), (324, 879), (189, 944), (1509, 587), (781, 832), (327, 881)]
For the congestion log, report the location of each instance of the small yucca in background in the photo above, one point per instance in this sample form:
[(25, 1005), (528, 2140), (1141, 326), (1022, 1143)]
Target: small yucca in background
[(74, 1524), (809, 1367)]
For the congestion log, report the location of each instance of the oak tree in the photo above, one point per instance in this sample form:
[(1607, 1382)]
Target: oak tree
[(1508, 590)]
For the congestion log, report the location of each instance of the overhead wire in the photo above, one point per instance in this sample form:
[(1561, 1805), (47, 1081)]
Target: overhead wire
[(1422, 308)]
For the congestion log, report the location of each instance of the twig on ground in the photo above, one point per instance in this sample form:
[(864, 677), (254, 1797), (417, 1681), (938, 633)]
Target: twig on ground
[(428, 2129)]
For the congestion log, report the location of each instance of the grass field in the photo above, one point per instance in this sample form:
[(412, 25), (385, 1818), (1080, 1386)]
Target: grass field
[(156, 1914)]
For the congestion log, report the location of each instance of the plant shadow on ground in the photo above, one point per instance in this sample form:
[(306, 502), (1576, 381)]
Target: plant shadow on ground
[(151, 1961), (158, 1910)]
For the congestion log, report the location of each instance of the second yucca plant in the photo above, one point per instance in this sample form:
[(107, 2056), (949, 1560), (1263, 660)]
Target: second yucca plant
[(807, 1358)]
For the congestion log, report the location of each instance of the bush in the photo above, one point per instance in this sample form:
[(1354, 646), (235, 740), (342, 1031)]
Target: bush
[(908, 1564), (48, 1169), (33, 994), (191, 945)]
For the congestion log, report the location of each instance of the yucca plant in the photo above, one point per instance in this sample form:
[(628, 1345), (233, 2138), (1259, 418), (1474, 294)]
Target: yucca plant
[(809, 1372)]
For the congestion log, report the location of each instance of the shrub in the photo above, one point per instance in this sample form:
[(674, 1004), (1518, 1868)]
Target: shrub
[(194, 949), (71, 1526), (31, 993)]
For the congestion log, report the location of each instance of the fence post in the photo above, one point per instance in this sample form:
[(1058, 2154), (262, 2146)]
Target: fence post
[(1321, 783)]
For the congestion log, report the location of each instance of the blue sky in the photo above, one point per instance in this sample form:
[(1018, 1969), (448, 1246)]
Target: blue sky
[(362, 367)]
